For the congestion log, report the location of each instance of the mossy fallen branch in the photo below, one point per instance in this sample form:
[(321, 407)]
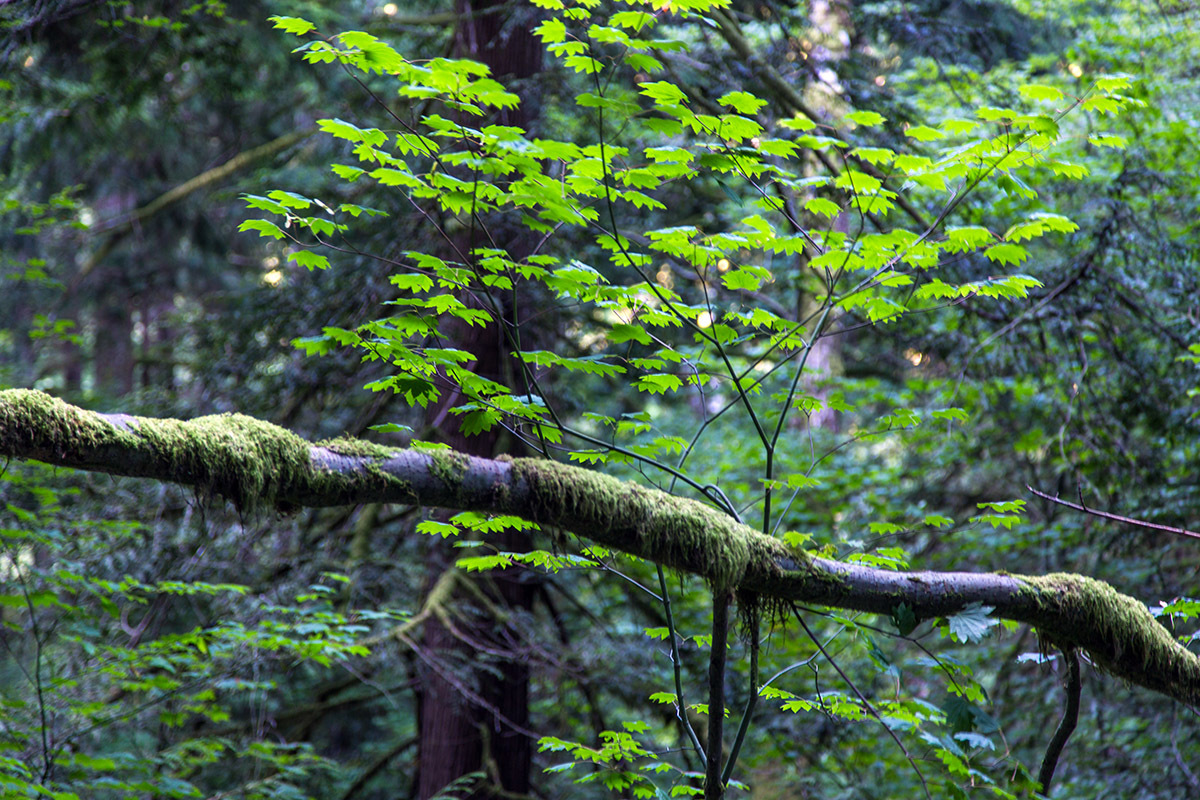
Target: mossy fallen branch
[(256, 463)]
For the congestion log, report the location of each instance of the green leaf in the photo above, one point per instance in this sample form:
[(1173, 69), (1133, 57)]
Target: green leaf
[(264, 227), (484, 563), (866, 119), (1003, 505), (962, 240), (874, 155), (584, 64), (1103, 105), (826, 208), (412, 282), (290, 199), (99, 764), (265, 204), (1108, 140), (972, 623), (923, 133), (633, 20), (663, 93), (994, 114), (351, 132), (1006, 521), (292, 25), (1041, 93), (904, 619), (660, 383), (953, 414), (798, 123), (390, 427), (309, 259), (742, 102), (432, 527), (959, 713), (622, 332), (551, 31), (746, 277), (1112, 83), (1006, 253), (859, 182)]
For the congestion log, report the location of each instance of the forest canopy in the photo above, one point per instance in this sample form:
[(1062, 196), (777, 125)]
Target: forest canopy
[(573, 399)]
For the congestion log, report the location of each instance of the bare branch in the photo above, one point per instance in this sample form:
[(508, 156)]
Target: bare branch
[(1141, 523), (1066, 726), (115, 229)]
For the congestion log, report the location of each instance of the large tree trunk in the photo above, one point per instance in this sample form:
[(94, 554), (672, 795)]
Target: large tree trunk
[(459, 734), (113, 358)]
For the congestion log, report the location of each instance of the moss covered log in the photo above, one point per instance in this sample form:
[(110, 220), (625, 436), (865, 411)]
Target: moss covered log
[(255, 463)]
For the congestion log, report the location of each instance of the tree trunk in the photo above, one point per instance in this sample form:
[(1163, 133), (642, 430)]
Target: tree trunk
[(113, 356), (461, 735)]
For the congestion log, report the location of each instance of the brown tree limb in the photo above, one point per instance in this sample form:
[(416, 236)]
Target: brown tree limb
[(714, 787), (1066, 725), (253, 462), (1141, 523), (118, 227), (376, 767)]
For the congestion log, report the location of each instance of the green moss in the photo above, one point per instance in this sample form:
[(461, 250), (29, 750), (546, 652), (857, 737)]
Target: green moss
[(244, 459), (448, 466), (32, 419), (1118, 626), (673, 531), (349, 446)]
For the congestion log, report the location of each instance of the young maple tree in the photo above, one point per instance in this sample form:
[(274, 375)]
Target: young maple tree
[(686, 419)]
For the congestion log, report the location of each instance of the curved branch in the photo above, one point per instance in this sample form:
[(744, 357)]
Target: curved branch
[(1066, 725), (120, 226), (253, 462), (1141, 523)]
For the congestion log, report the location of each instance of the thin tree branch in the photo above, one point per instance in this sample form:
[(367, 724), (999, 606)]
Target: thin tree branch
[(732, 33), (376, 767), (1141, 523), (677, 667), (751, 702), (863, 699), (1066, 726), (118, 227)]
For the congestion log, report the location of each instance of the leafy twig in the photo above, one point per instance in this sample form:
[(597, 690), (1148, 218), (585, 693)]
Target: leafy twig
[(866, 703), (751, 702)]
